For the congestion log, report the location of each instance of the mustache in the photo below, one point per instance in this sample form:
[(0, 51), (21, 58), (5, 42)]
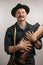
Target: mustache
[(21, 16)]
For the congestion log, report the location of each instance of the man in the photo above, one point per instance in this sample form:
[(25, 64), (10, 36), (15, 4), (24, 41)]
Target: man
[(21, 44)]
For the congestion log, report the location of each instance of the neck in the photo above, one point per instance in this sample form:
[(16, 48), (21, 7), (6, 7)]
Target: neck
[(22, 24)]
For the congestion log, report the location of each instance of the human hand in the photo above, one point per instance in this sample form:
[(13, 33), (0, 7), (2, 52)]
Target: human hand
[(25, 45), (30, 36)]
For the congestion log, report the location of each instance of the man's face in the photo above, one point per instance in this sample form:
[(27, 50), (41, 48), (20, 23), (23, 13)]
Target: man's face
[(21, 15)]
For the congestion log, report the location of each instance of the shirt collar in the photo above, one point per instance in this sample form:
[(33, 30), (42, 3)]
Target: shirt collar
[(19, 28)]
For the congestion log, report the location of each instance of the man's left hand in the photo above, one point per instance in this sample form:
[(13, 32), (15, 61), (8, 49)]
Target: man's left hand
[(30, 36)]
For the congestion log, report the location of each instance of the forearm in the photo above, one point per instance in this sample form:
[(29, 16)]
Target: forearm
[(39, 32), (38, 44), (35, 36), (13, 49)]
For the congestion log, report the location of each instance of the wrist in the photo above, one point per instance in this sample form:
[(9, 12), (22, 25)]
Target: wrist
[(18, 46), (35, 41)]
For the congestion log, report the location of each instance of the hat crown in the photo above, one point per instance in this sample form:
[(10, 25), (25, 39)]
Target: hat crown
[(19, 4)]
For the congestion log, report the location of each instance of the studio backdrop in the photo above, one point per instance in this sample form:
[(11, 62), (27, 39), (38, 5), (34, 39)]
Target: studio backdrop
[(6, 20)]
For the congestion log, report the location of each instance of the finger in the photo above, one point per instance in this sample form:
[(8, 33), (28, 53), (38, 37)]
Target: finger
[(28, 41), (32, 32), (28, 47), (25, 40), (29, 44), (22, 50), (22, 39), (26, 34), (29, 32)]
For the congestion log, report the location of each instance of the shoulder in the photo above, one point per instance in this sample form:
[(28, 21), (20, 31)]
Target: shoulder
[(10, 29)]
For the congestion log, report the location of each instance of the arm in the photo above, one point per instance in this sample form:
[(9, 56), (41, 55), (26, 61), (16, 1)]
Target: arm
[(8, 43), (39, 32), (23, 45), (38, 44), (36, 35)]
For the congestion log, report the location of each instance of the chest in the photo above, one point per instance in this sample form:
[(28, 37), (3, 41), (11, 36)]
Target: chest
[(21, 34)]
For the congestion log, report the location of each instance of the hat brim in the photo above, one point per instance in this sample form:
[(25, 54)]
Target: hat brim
[(13, 11)]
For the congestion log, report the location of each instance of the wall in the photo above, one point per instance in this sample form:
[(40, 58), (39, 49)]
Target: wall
[(6, 20)]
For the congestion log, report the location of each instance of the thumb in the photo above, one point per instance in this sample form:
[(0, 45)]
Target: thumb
[(22, 39), (32, 32)]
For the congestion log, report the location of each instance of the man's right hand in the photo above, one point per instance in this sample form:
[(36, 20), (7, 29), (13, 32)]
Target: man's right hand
[(25, 45)]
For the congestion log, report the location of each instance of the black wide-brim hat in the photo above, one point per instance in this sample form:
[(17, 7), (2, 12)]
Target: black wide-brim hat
[(19, 6)]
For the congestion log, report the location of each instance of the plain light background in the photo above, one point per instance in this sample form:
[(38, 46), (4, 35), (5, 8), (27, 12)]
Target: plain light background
[(6, 20)]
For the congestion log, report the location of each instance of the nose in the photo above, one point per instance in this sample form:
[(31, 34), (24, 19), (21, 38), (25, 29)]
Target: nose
[(21, 13)]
